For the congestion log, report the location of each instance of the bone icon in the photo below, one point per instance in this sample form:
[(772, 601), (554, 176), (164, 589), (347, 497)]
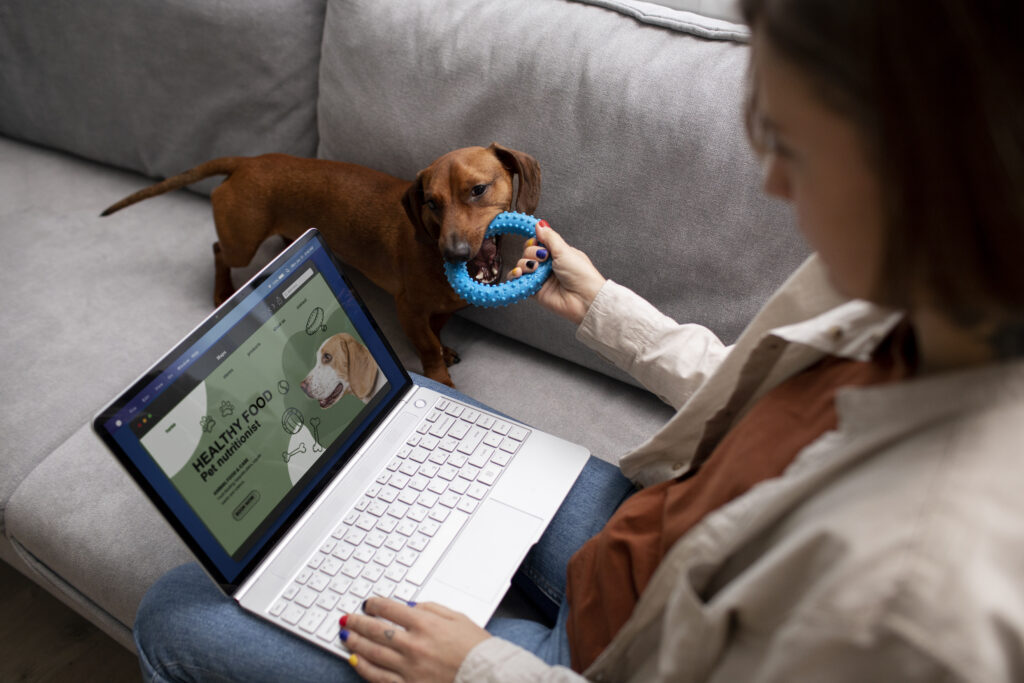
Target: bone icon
[(314, 422), (301, 448)]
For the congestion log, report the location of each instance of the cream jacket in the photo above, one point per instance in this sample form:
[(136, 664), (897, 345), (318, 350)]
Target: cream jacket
[(891, 549)]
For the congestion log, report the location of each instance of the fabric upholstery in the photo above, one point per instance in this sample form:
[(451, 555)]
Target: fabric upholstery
[(158, 87)]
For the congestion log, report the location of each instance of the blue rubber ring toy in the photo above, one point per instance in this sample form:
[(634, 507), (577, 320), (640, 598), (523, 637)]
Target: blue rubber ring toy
[(491, 296)]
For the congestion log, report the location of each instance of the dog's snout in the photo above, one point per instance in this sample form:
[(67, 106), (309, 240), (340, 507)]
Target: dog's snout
[(458, 252)]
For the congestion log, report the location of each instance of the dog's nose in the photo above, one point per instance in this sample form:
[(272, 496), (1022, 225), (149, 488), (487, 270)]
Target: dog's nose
[(458, 252)]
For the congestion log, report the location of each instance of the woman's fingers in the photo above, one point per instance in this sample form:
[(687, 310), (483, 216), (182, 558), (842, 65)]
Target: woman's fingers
[(533, 255), (395, 641), (373, 660)]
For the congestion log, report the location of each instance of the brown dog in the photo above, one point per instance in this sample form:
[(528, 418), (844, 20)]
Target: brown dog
[(394, 231)]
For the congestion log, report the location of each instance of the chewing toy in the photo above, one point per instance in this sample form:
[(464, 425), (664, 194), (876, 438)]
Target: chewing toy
[(490, 296)]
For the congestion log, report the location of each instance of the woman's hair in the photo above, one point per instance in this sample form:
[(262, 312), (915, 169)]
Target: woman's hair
[(937, 89)]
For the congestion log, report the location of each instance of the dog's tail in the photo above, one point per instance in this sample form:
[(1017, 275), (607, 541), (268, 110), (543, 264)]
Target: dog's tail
[(221, 166)]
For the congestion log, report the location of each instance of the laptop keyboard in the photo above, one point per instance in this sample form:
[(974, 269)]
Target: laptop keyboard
[(390, 541)]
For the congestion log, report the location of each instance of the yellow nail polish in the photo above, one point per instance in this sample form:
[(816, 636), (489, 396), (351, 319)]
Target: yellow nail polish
[(532, 241), (352, 659), (515, 272)]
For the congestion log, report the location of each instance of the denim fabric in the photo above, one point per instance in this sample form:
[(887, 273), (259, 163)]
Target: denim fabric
[(186, 629)]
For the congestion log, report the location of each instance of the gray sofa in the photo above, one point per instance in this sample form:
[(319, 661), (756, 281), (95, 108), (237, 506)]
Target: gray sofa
[(632, 109)]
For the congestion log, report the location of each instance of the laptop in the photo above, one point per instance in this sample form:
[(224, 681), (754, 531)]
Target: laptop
[(285, 443)]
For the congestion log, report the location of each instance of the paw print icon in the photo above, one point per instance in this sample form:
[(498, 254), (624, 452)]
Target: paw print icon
[(207, 423), (227, 409)]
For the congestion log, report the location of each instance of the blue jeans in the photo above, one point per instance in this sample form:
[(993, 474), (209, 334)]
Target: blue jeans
[(187, 629)]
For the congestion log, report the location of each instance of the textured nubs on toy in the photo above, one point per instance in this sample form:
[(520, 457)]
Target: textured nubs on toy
[(490, 296)]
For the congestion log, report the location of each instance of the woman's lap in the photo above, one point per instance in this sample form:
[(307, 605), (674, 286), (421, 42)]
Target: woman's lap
[(187, 628)]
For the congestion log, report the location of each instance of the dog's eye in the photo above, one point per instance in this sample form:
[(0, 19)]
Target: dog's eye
[(327, 358), (478, 190), (431, 204)]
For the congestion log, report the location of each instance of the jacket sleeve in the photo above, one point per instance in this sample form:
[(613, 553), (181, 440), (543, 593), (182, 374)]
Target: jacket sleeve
[(669, 359), (499, 661)]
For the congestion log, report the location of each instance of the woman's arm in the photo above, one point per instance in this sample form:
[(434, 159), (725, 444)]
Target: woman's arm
[(670, 359)]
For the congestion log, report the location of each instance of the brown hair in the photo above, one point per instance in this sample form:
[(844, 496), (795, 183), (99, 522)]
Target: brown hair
[(937, 88)]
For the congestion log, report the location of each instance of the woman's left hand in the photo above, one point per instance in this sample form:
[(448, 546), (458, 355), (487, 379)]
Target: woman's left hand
[(395, 642)]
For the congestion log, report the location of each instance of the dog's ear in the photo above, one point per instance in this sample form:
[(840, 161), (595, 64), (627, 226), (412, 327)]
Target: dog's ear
[(528, 170), (362, 369), (412, 202)]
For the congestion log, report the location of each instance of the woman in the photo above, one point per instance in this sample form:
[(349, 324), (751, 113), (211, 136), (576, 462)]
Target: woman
[(837, 497)]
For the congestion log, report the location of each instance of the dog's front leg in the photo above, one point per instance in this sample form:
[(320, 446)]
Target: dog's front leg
[(437, 321), (415, 322)]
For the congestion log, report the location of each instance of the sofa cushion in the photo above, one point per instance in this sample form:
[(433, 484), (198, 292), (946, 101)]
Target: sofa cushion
[(95, 299), (158, 87), (82, 523), (637, 128)]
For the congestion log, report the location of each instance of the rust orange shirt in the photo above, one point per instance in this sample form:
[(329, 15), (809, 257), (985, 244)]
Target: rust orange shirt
[(608, 573)]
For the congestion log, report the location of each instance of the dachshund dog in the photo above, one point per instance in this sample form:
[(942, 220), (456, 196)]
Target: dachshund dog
[(394, 231)]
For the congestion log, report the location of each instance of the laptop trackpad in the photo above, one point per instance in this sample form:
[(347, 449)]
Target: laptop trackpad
[(489, 550)]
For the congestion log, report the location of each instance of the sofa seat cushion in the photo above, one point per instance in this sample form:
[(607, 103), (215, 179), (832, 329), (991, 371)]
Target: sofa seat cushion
[(95, 299), (84, 525)]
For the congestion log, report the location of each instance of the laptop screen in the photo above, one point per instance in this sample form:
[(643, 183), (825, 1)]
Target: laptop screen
[(235, 429)]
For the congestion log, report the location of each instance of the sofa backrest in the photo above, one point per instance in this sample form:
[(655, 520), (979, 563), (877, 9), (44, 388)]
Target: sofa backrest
[(635, 118), (158, 87)]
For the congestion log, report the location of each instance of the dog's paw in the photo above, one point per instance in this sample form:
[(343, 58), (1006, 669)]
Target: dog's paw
[(450, 357)]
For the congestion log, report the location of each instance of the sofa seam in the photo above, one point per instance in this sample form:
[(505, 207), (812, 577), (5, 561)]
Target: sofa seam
[(678, 20)]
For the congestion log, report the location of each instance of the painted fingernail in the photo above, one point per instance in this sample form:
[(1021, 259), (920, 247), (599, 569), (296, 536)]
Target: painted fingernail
[(515, 272), (411, 603), (542, 254), (543, 223), (353, 660), (343, 621), (531, 264), (343, 635), (532, 241)]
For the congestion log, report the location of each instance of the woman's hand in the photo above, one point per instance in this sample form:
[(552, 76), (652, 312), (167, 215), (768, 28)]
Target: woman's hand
[(403, 643), (574, 281)]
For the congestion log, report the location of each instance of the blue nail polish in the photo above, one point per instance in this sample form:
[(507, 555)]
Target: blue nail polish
[(411, 603), (343, 635), (542, 254)]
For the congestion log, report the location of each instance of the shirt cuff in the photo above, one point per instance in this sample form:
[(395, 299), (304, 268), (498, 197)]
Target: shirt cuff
[(493, 659)]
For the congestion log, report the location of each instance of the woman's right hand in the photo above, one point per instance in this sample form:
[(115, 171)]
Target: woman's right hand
[(574, 281)]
